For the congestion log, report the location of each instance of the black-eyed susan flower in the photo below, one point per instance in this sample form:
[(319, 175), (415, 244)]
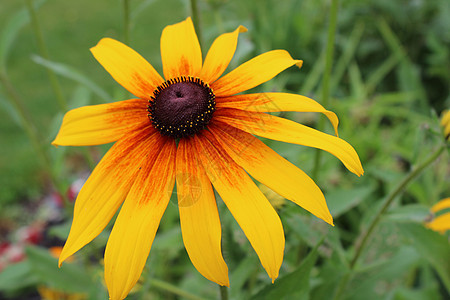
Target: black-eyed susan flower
[(196, 128), (441, 222)]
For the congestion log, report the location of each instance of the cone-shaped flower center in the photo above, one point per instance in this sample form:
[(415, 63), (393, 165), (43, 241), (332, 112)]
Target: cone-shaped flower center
[(181, 107)]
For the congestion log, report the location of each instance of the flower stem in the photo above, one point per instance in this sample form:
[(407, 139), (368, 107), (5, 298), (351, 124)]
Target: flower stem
[(364, 237), (326, 77), (31, 131), (44, 53), (51, 75), (173, 289), (25, 119), (223, 292), (196, 20), (126, 21)]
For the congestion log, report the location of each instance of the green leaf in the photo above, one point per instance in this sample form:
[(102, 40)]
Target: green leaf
[(341, 201), (358, 89), (11, 111), (69, 278), (72, 73), (16, 277), (408, 213), (169, 241), (366, 284), (141, 8), (314, 75), (329, 276), (60, 231), (348, 54), (240, 275), (81, 97), (11, 30), (294, 285), (432, 246), (417, 294)]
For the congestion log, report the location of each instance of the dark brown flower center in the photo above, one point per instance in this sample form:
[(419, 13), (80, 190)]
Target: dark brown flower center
[(181, 107)]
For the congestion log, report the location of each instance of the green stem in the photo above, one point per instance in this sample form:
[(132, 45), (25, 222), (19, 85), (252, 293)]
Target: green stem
[(365, 235), (126, 21), (196, 20), (51, 75), (25, 119), (223, 292), (44, 53), (326, 77), (173, 289), (31, 131)]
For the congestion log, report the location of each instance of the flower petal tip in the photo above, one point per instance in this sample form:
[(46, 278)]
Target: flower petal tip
[(330, 221), (242, 29), (274, 276), (63, 256), (360, 173), (226, 283), (299, 63), (221, 279), (103, 40)]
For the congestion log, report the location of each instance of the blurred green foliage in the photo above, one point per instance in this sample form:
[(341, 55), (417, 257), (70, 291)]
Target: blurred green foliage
[(390, 82)]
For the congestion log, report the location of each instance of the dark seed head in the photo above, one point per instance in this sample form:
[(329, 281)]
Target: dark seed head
[(181, 107)]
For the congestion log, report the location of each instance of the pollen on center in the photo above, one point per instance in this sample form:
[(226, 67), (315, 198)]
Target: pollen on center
[(181, 107)]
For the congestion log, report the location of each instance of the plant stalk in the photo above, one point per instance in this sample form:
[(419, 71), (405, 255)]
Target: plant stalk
[(326, 78), (25, 119), (44, 53), (196, 20), (126, 21), (365, 235), (173, 289), (31, 131), (223, 292)]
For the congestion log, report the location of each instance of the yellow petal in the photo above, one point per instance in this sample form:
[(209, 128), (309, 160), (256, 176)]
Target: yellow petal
[(101, 124), (127, 67), (254, 72), (269, 168), (109, 183), (280, 129), (272, 102), (199, 218), (445, 118), (447, 131), (246, 202), (138, 220), (445, 122), (180, 50), (443, 204), (440, 223), (220, 55)]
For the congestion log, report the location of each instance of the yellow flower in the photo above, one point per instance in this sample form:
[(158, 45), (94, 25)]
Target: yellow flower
[(441, 223), (194, 128), (445, 122)]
